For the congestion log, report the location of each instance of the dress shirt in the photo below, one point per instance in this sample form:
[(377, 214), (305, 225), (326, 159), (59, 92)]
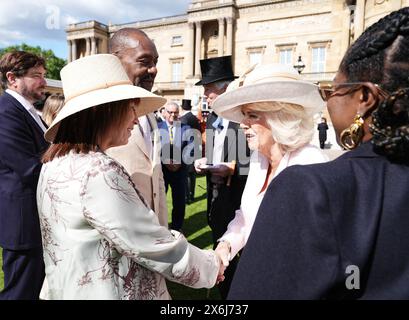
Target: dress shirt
[(219, 142), (174, 134)]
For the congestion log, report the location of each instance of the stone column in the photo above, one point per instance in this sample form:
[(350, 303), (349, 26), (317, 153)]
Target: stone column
[(87, 46), (359, 21), (198, 47), (220, 47), (93, 45), (229, 49), (69, 51), (74, 50), (346, 22), (191, 48)]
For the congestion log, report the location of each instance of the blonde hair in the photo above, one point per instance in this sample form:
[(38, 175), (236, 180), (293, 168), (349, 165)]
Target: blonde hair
[(290, 125), (52, 106)]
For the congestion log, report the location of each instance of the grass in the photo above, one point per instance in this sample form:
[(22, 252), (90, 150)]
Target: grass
[(197, 231), (1, 270)]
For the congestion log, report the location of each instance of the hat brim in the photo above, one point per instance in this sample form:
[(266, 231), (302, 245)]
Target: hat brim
[(212, 80), (228, 105), (149, 102)]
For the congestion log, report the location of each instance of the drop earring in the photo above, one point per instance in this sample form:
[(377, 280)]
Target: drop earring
[(351, 137)]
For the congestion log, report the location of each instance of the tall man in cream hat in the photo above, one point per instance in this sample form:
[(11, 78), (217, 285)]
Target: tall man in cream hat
[(141, 156), (226, 179)]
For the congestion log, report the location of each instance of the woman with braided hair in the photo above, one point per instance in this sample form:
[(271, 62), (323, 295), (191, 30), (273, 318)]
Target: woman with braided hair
[(339, 230)]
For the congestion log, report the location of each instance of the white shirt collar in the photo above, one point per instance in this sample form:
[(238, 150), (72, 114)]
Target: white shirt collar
[(28, 106), (23, 101)]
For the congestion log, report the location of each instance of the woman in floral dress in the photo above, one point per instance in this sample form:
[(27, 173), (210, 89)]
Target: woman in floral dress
[(100, 239)]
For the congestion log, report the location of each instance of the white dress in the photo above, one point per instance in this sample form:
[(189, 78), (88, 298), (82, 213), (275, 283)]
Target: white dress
[(238, 230), (102, 242)]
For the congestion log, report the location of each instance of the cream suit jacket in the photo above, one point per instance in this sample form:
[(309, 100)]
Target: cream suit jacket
[(146, 173)]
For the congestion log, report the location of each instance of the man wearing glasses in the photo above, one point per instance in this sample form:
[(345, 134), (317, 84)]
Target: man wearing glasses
[(174, 140)]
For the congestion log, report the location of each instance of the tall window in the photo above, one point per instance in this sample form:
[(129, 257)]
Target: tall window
[(255, 57), (286, 56), (318, 59), (176, 71)]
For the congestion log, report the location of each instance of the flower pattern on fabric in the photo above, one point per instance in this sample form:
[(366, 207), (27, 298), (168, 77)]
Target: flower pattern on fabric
[(102, 242)]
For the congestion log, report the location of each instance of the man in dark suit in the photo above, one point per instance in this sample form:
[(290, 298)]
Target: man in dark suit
[(21, 146), (174, 139), (224, 139), (191, 120)]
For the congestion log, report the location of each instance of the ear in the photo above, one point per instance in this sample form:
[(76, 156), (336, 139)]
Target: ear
[(11, 77), (368, 99)]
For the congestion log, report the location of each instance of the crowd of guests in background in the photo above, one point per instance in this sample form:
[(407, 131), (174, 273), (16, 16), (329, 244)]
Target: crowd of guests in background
[(83, 185)]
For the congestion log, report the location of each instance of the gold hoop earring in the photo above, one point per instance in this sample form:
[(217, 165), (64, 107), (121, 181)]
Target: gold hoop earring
[(351, 137)]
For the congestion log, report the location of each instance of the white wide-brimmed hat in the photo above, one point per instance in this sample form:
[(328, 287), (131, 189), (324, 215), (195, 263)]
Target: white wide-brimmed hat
[(263, 83), (95, 80)]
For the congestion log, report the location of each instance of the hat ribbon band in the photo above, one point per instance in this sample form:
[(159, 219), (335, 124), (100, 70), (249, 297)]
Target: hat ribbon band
[(102, 86)]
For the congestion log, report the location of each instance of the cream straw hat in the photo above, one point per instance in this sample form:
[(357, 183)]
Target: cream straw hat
[(262, 83), (96, 80)]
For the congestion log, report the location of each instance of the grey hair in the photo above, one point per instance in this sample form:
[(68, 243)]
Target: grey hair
[(290, 125), (172, 103)]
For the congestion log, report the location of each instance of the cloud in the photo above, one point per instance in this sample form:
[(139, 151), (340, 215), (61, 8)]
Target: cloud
[(46, 20)]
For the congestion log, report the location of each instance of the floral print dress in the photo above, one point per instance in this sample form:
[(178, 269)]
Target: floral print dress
[(101, 241)]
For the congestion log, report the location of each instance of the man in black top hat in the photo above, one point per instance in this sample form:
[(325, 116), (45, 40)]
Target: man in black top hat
[(224, 170), (190, 119)]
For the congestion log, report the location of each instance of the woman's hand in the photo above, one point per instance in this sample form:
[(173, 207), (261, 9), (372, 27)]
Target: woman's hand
[(223, 251)]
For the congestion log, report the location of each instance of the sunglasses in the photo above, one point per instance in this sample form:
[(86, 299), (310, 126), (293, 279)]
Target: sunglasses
[(327, 90)]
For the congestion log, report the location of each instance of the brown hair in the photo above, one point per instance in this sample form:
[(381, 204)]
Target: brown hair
[(81, 131), (52, 106), (18, 62)]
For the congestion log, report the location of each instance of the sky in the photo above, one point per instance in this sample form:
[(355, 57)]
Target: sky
[(43, 22)]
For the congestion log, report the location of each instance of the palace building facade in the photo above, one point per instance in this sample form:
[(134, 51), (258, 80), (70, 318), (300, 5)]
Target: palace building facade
[(313, 33)]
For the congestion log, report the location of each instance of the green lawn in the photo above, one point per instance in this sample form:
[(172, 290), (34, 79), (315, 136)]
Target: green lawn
[(1, 271), (197, 232)]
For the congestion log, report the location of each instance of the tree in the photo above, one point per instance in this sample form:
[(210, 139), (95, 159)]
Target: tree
[(53, 63)]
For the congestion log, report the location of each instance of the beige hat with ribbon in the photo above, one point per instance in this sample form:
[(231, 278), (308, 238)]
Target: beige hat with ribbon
[(263, 83), (95, 80)]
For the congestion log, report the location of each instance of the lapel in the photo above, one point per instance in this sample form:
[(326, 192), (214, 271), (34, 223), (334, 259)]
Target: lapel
[(210, 119), (140, 141), (165, 138), (210, 136), (156, 139), (27, 114)]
